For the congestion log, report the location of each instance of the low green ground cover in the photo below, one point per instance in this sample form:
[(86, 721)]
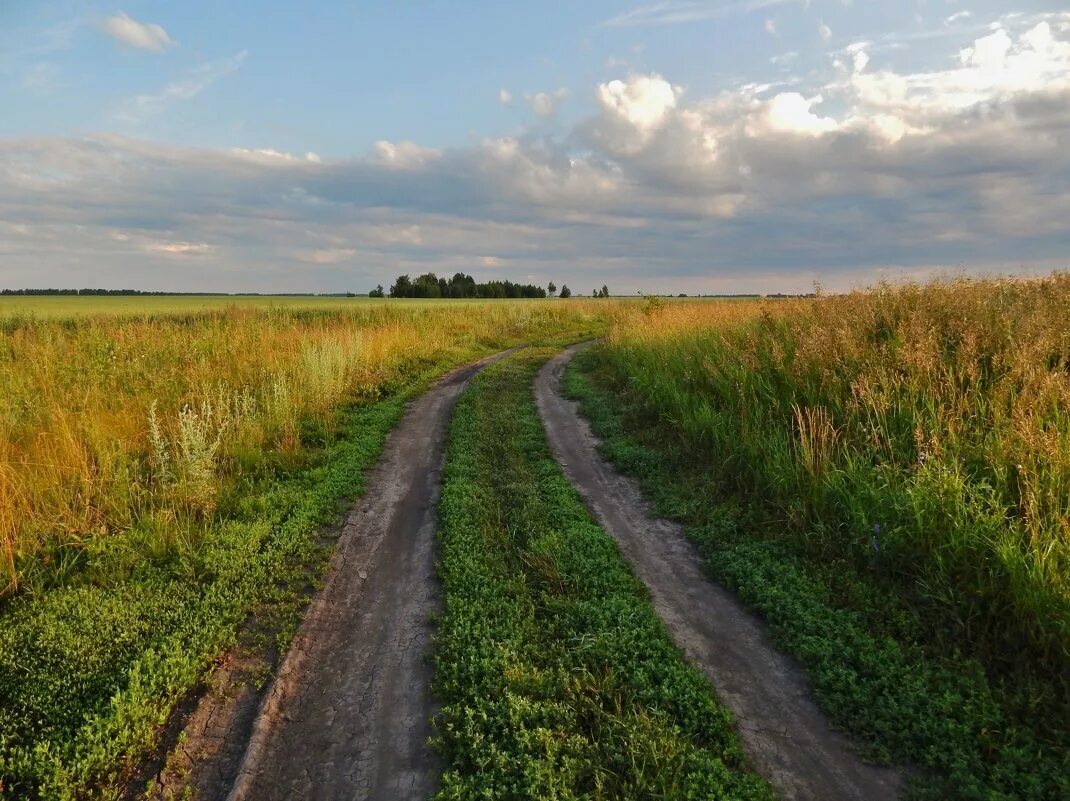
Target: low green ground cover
[(91, 668), (557, 677), (902, 689)]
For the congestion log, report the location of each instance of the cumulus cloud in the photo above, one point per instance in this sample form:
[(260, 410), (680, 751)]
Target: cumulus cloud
[(824, 31), (138, 35), (863, 169), (505, 97), (631, 112), (790, 112)]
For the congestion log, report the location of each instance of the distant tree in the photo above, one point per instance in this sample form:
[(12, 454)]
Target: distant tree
[(565, 291), (430, 285), (377, 292), (551, 289), (402, 287), (594, 293), (605, 291)]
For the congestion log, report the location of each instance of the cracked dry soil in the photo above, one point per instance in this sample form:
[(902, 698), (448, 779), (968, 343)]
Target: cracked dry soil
[(787, 738)]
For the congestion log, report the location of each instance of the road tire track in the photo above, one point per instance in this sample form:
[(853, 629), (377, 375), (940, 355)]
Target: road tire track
[(787, 738), (348, 713)]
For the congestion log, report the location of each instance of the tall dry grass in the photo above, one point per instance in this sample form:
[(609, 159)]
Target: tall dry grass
[(112, 425), (922, 431)]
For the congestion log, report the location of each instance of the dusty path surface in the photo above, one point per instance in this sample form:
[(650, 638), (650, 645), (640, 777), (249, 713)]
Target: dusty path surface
[(348, 713), (785, 735)]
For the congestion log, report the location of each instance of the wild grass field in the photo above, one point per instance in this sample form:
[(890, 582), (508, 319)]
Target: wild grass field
[(886, 476), (883, 475), (160, 478), (42, 307)]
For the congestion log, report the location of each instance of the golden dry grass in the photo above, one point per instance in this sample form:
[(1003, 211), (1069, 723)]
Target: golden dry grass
[(114, 422)]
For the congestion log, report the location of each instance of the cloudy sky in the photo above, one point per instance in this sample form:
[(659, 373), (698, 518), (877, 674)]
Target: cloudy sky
[(682, 145)]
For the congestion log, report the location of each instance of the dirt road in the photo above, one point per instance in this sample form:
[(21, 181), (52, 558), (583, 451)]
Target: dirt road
[(348, 713), (786, 736)]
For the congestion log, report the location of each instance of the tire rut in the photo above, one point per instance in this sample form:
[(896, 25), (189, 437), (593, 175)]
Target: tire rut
[(786, 737), (348, 713)]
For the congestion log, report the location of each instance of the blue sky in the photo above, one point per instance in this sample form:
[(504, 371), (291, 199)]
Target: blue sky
[(733, 145)]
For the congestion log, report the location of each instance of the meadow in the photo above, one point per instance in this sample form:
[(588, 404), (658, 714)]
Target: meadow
[(886, 476), (162, 476), (41, 307), (883, 475)]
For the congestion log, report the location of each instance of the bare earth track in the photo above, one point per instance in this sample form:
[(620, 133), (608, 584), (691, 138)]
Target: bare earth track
[(348, 713), (787, 738)]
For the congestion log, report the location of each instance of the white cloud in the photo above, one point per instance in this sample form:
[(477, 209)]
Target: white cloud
[(958, 16), (995, 67), (403, 155), (505, 97), (141, 107), (790, 112), (139, 35), (640, 104), (824, 31), (545, 104), (770, 27)]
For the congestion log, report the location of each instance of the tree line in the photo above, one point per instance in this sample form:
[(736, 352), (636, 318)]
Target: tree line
[(460, 285)]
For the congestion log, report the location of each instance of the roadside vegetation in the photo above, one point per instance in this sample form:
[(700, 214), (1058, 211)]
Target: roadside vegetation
[(886, 477), (161, 478), (557, 677)]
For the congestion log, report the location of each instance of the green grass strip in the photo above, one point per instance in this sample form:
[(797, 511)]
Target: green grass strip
[(557, 677), (874, 669)]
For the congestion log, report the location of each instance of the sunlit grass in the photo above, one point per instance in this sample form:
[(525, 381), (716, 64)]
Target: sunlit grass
[(922, 432), (132, 423)]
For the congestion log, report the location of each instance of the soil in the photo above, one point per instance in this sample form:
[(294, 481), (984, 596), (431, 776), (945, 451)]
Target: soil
[(785, 735)]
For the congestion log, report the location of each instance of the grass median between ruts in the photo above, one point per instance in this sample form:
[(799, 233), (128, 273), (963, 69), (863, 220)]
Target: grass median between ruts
[(558, 679)]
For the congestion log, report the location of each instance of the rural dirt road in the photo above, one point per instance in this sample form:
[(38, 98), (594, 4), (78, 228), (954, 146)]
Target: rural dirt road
[(785, 735), (348, 713)]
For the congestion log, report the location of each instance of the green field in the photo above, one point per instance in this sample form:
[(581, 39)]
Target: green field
[(57, 306), (163, 476), (884, 476)]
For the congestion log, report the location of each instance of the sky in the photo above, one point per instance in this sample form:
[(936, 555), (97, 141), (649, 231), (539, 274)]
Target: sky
[(700, 146)]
